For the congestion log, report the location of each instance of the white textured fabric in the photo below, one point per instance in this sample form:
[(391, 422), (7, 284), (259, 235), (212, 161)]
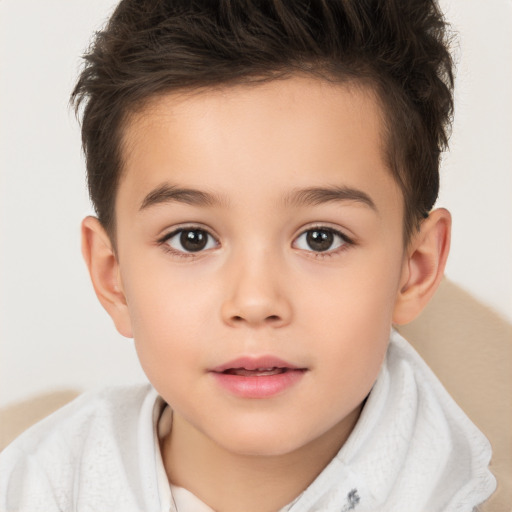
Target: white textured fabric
[(97, 454), (412, 450)]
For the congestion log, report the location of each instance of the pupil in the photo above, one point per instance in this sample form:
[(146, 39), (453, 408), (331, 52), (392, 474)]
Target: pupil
[(193, 240), (319, 240)]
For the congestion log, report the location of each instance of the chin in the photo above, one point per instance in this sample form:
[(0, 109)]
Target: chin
[(261, 448), (272, 441)]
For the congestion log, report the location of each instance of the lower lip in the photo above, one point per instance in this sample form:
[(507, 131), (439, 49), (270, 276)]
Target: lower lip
[(264, 386)]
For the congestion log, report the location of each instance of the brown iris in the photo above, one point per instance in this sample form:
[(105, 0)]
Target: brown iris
[(320, 239), (193, 240)]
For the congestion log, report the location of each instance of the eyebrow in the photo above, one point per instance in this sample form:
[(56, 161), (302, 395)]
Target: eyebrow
[(319, 195), (169, 193), (301, 197)]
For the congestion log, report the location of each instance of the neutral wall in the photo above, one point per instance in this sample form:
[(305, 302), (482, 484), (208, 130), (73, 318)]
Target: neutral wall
[(53, 333)]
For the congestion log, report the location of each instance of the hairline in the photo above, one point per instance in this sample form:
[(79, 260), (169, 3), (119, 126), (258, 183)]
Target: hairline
[(369, 84)]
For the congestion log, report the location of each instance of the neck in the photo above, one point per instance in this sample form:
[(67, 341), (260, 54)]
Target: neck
[(232, 482)]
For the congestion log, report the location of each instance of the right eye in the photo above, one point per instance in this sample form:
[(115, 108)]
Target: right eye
[(190, 240)]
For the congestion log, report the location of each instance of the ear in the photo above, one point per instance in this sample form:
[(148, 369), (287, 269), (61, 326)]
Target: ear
[(424, 266), (101, 260)]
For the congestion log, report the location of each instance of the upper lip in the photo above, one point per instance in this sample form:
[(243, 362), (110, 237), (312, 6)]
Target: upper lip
[(255, 363)]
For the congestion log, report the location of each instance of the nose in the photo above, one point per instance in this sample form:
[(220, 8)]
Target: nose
[(256, 294)]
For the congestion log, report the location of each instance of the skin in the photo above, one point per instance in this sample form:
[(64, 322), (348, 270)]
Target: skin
[(258, 287)]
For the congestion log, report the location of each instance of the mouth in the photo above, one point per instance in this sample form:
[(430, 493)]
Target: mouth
[(250, 366), (261, 377), (258, 372)]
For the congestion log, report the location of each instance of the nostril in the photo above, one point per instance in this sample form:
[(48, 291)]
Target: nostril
[(270, 318), (255, 312)]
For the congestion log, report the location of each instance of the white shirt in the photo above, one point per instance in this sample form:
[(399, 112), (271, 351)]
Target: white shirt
[(412, 450)]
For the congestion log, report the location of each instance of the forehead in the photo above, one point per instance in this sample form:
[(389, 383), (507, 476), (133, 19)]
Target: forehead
[(258, 138)]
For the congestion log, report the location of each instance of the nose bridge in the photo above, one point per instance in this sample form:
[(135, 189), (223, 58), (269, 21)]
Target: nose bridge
[(257, 292)]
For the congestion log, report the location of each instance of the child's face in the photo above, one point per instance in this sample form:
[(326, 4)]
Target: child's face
[(258, 227)]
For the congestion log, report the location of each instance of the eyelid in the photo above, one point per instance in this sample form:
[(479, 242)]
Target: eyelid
[(176, 230), (173, 230), (347, 240), (327, 226)]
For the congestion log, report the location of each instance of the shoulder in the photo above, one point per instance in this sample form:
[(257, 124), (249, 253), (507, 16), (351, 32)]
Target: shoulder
[(76, 420), (442, 432), (77, 451)]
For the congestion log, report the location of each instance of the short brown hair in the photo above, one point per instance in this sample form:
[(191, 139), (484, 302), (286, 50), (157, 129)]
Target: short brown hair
[(152, 47)]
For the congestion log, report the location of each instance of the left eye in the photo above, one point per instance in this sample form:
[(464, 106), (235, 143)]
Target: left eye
[(320, 240), (190, 240)]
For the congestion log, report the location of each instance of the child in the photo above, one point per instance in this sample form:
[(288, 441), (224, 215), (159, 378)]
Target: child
[(264, 175)]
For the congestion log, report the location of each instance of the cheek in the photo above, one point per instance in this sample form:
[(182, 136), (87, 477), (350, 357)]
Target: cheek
[(363, 289), (352, 312), (167, 313), (161, 295)]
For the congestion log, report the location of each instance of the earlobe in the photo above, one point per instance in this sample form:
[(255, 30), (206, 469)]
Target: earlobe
[(424, 266), (101, 260)]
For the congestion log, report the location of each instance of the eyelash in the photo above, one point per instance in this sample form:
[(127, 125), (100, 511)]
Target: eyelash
[(346, 242), (164, 241)]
